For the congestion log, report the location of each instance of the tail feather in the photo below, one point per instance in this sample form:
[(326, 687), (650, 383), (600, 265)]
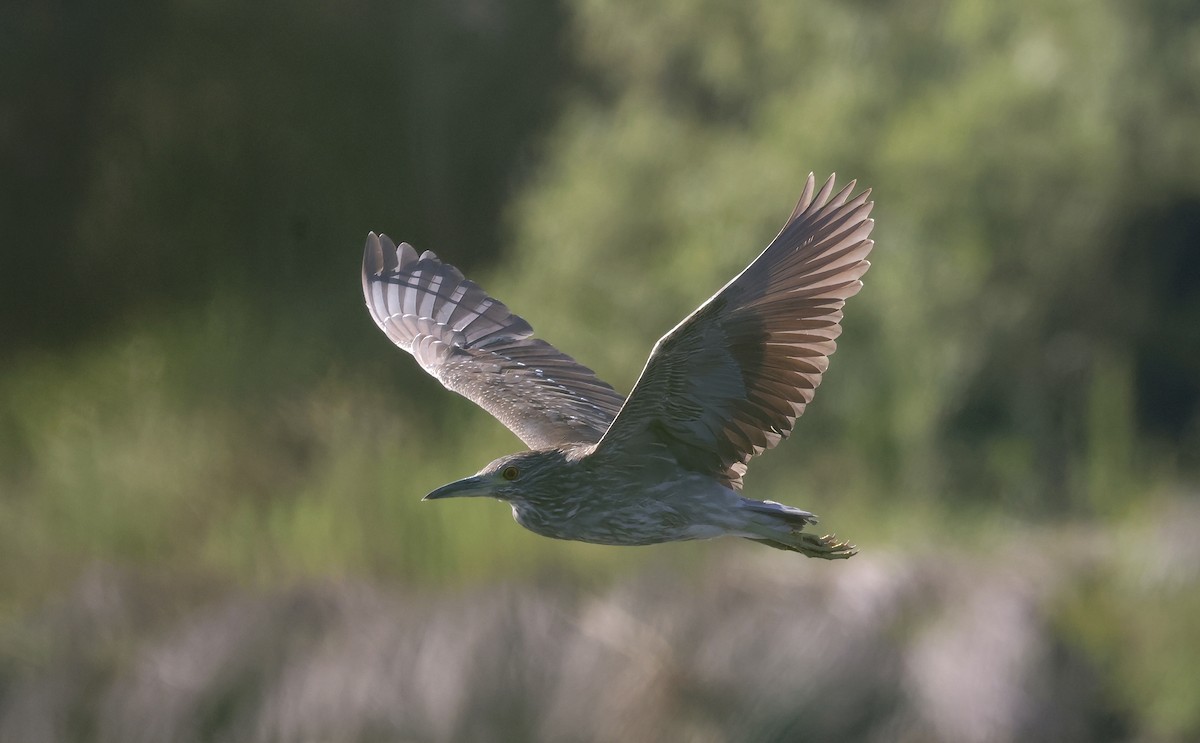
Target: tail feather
[(781, 527), (778, 511)]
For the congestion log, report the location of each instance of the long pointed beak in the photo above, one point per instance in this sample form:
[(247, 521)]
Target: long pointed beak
[(466, 487)]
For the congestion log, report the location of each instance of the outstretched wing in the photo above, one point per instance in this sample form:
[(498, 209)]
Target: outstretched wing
[(730, 380), (476, 347)]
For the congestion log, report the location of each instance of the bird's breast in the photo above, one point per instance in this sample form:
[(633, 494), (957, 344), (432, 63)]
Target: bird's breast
[(688, 507)]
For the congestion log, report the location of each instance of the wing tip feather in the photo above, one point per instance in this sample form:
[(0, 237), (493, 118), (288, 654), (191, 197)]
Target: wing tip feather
[(372, 255), (810, 186)]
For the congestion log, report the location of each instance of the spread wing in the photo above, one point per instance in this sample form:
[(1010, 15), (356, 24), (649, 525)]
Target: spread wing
[(476, 347), (730, 380)]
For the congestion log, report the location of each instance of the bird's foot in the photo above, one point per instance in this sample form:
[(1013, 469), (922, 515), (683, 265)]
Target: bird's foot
[(826, 547)]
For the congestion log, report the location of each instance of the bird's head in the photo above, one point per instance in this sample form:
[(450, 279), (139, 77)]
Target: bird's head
[(516, 478)]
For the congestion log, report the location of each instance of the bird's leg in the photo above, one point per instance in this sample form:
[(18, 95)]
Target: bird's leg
[(827, 547)]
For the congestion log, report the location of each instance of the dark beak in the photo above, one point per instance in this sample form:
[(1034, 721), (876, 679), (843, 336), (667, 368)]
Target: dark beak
[(467, 487)]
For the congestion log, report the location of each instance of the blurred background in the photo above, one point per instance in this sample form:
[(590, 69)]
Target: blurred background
[(211, 460)]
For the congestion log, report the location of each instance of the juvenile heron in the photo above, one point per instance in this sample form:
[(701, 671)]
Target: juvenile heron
[(667, 462)]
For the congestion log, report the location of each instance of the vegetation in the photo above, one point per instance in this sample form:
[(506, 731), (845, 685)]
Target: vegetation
[(190, 386)]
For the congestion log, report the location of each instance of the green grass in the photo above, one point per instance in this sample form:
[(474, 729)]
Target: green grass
[(130, 453), (116, 454), (113, 456)]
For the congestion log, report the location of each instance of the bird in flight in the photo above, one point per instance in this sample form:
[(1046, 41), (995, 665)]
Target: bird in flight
[(667, 462)]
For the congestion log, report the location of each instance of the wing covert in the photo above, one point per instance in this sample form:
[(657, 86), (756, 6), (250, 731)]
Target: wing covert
[(476, 347)]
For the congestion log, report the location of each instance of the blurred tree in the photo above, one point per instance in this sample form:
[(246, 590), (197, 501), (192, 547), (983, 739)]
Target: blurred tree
[(186, 185), (190, 385), (158, 154), (184, 194), (1037, 188)]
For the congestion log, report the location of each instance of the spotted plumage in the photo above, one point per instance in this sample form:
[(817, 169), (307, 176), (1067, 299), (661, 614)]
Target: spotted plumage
[(667, 463)]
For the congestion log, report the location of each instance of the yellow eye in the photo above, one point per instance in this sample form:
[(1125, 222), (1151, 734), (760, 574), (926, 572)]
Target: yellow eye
[(510, 473)]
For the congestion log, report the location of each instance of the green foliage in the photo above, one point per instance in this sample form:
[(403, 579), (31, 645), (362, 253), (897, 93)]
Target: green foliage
[(234, 412), (1137, 620), (120, 462), (189, 383), (1011, 148)]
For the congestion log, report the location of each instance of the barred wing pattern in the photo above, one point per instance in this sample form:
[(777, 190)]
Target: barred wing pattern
[(474, 346), (730, 380)]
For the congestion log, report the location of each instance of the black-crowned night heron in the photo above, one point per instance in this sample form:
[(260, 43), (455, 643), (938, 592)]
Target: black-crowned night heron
[(667, 463)]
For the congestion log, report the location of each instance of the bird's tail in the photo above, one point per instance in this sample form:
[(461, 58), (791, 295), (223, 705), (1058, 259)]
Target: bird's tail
[(782, 527)]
